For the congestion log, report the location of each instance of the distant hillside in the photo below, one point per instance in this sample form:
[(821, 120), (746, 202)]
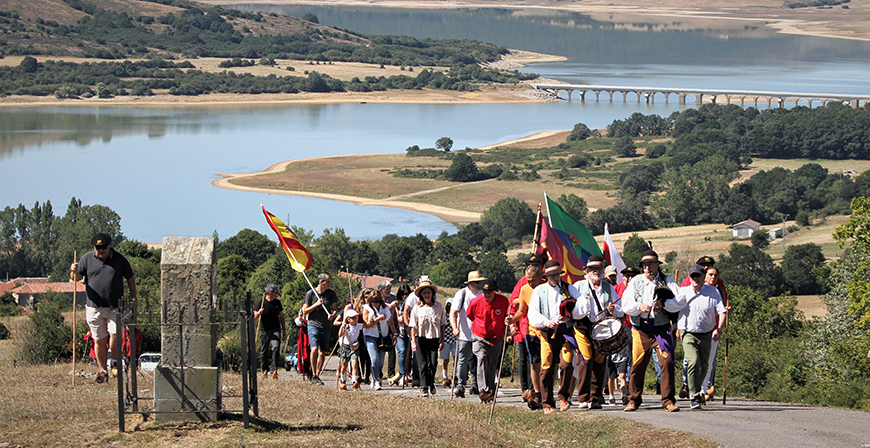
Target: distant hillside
[(172, 29)]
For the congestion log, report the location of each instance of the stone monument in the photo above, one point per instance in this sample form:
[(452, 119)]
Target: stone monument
[(187, 378)]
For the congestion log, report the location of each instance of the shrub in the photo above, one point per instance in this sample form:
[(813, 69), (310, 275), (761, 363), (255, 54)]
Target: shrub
[(656, 151), (4, 332), (45, 338), (231, 348)]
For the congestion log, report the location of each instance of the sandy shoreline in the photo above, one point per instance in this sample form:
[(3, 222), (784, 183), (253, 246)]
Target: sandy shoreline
[(837, 23), (450, 215)]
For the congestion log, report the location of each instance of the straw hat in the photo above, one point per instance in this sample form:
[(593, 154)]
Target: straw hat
[(425, 284)]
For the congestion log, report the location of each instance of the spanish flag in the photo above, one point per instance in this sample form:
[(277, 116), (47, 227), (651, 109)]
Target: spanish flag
[(300, 259)]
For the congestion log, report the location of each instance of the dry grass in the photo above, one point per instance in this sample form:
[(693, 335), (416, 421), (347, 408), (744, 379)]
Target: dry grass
[(833, 166), (41, 408)]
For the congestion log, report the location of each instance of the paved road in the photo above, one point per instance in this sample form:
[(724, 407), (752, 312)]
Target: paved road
[(739, 424)]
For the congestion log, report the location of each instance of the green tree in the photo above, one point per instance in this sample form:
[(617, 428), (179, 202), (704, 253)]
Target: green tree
[(444, 144), (574, 205), (800, 265), (332, 248), (232, 275), (510, 219), (624, 147), (694, 194), (580, 132), (632, 249), (497, 267), (309, 17), (463, 169), (249, 244), (857, 229), (29, 64), (452, 273), (473, 233), (760, 240), (749, 266), (77, 227)]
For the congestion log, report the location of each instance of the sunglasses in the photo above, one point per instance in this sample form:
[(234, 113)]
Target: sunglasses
[(101, 247)]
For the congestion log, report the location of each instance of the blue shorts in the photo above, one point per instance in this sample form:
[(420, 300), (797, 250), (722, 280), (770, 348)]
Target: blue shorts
[(534, 346), (448, 350), (319, 338)]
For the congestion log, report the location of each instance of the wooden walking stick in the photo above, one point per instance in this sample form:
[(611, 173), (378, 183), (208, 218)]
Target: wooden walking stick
[(326, 361), (498, 372), (75, 289)]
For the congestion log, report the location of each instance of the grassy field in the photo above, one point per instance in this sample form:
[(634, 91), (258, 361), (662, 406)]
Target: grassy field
[(372, 176), (40, 408)]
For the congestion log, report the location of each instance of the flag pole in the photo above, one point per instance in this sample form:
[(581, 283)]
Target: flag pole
[(727, 320), (536, 237), (308, 281)]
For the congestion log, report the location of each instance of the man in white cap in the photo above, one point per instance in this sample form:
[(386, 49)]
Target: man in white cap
[(701, 321), (466, 362)]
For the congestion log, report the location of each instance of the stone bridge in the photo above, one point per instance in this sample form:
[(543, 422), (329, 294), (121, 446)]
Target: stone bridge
[(648, 94)]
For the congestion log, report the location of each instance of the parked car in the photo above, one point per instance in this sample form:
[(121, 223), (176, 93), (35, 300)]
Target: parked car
[(290, 359), (148, 361)]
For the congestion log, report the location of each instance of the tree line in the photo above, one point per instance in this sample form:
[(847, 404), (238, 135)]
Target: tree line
[(141, 78)]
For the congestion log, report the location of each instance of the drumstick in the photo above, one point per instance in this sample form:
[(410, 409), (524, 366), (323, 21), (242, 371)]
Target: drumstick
[(605, 309)]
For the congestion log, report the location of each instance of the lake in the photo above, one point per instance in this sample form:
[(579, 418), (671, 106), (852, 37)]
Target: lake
[(154, 165)]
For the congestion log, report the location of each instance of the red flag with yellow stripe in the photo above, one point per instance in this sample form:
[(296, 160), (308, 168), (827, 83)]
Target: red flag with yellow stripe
[(300, 259)]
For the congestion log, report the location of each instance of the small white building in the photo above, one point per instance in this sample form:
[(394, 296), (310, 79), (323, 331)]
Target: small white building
[(745, 229)]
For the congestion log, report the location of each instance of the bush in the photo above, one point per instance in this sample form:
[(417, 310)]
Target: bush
[(656, 151), (4, 332), (760, 240), (45, 338), (231, 348)]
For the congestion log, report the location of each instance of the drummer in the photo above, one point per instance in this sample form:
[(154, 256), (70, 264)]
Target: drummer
[(597, 301)]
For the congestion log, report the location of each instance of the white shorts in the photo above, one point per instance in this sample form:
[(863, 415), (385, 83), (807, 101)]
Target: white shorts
[(101, 321)]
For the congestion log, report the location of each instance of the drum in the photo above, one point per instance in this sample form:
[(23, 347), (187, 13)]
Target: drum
[(609, 336)]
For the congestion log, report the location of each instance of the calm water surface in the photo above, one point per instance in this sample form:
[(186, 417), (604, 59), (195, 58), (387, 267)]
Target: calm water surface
[(154, 165)]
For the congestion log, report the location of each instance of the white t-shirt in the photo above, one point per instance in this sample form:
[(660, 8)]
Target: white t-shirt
[(351, 334), (699, 314), (383, 324), (462, 318)]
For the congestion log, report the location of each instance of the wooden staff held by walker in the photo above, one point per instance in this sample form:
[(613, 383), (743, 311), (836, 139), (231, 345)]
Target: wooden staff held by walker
[(498, 372)]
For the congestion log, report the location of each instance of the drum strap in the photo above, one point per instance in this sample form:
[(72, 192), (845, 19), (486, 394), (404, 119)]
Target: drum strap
[(597, 303)]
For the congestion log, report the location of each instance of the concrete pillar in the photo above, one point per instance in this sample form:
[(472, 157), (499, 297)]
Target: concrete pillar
[(699, 99), (682, 98), (598, 92), (855, 104), (624, 97), (610, 92), (187, 378), (569, 92)]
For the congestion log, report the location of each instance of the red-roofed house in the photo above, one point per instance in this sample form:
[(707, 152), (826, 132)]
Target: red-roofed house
[(367, 281), (28, 293)]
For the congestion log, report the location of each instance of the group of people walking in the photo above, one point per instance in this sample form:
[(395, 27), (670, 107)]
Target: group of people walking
[(590, 336)]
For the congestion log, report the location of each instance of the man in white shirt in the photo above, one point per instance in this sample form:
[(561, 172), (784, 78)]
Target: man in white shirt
[(545, 314), (647, 299), (698, 327), (597, 301), (465, 362)]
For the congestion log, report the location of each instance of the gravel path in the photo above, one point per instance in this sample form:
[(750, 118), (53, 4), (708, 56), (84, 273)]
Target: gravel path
[(741, 423)]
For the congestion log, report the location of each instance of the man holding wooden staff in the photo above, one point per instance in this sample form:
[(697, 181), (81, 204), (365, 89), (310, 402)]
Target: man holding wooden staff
[(271, 327), (103, 271), (487, 313), (314, 305)]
